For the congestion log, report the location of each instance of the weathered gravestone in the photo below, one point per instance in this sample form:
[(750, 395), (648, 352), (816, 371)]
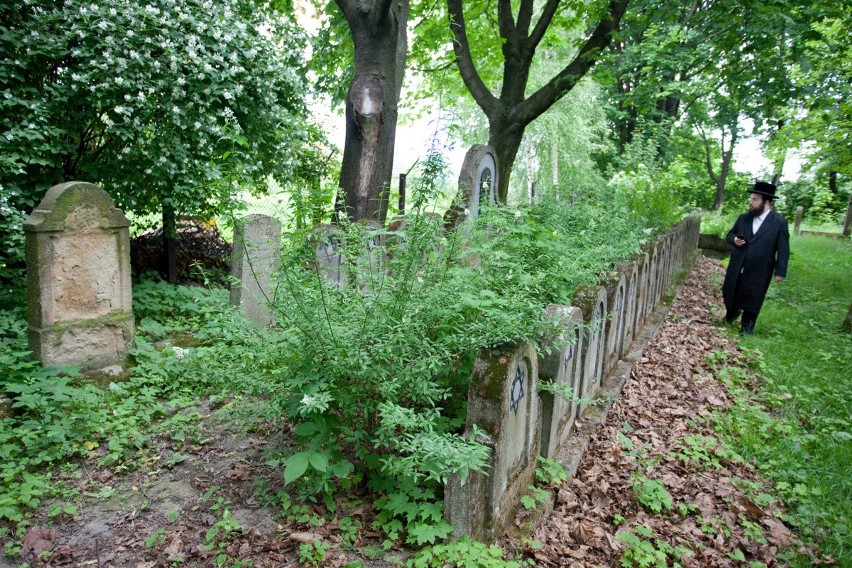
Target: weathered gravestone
[(592, 302), (255, 261), (559, 363), (328, 255), (477, 184), (503, 404), (797, 224), (79, 302), (370, 262), (616, 292)]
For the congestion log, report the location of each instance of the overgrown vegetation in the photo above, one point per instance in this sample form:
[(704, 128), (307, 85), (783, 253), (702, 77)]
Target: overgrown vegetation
[(372, 375), (796, 425)]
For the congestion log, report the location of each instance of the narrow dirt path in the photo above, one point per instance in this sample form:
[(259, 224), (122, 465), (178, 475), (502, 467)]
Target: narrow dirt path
[(700, 505)]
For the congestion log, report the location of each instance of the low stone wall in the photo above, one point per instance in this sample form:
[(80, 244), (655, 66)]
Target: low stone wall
[(518, 423)]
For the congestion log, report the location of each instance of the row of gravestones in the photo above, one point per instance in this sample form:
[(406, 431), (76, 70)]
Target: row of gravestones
[(80, 313), (508, 413), (79, 298)]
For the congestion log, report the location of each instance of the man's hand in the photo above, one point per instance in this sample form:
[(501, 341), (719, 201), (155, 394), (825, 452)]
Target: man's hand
[(739, 242), (779, 278)]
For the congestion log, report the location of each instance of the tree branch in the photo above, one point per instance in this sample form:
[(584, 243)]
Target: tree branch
[(524, 16), (504, 19), (483, 97), (585, 59), (543, 23)]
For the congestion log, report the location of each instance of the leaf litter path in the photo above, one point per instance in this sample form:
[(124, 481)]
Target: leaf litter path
[(159, 516), (658, 436)]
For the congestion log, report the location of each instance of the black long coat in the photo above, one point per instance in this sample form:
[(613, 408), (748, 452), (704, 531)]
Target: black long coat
[(753, 264)]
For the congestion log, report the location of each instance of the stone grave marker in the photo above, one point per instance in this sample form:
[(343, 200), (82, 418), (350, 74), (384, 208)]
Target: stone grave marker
[(255, 261), (503, 404), (477, 184), (328, 252), (561, 365), (79, 297), (592, 302), (800, 211)]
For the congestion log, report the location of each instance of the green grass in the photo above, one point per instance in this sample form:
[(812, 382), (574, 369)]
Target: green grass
[(804, 362)]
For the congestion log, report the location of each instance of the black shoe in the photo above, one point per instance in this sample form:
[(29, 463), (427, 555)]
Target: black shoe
[(748, 328)]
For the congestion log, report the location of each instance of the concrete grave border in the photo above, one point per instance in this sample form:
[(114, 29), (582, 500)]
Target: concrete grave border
[(592, 302), (562, 364), (504, 383)]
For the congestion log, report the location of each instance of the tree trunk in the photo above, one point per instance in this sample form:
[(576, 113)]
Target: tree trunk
[(169, 259), (719, 199), (506, 140), (378, 30), (832, 181)]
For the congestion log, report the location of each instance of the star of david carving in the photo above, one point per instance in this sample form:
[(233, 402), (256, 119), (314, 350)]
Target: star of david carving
[(516, 394)]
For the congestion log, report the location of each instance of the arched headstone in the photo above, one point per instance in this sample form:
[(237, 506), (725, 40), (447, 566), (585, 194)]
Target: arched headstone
[(561, 366), (503, 404), (79, 297), (478, 182)]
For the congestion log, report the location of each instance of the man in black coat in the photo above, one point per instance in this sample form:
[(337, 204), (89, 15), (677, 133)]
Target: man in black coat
[(761, 246)]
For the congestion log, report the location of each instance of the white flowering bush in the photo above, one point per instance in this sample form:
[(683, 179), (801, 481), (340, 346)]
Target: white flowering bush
[(165, 102)]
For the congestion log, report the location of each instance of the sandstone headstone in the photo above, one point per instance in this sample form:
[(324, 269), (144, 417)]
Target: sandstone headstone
[(561, 366), (797, 224), (503, 404), (255, 261), (79, 298)]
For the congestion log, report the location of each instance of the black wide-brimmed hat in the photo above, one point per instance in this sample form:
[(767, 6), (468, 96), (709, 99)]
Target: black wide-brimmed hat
[(764, 188)]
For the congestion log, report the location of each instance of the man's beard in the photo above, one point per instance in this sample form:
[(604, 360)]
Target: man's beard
[(755, 211)]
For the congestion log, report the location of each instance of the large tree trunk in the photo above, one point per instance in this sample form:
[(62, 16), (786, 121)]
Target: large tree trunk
[(506, 140), (379, 32)]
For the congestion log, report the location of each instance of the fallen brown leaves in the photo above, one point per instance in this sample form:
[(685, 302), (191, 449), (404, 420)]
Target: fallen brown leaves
[(713, 522)]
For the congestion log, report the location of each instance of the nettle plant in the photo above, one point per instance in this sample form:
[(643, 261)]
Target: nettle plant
[(165, 103)]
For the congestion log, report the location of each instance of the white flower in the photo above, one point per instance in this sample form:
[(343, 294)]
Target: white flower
[(306, 400), (119, 80), (180, 353), (119, 109)]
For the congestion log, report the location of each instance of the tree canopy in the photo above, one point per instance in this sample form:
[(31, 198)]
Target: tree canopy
[(175, 103)]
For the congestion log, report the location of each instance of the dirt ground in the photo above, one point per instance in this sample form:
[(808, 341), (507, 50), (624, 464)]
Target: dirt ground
[(163, 515)]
